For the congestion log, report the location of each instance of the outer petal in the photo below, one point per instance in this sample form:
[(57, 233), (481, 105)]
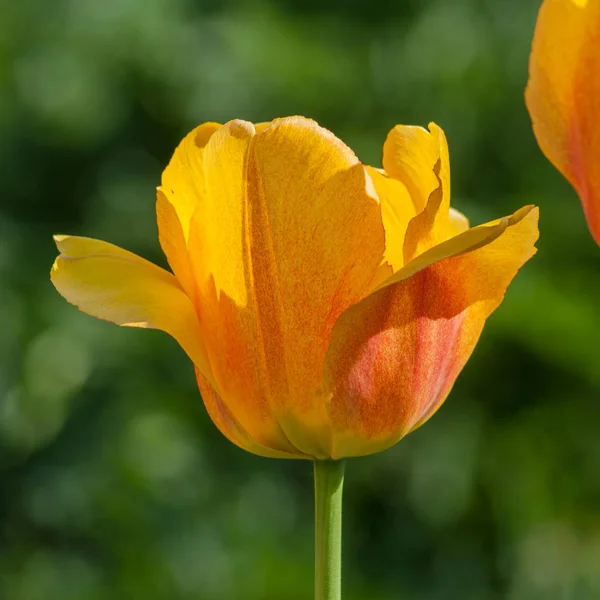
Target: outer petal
[(395, 356), (230, 426), (183, 179), (115, 285), (299, 240), (219, 255), (563, 96)]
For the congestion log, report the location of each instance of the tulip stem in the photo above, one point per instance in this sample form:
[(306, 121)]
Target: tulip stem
[(329, 484)]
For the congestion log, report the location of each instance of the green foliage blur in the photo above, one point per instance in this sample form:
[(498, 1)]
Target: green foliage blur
[(114, 483)]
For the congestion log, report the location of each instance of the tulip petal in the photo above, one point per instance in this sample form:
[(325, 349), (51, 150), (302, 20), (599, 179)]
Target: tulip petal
[(410, 154), (300, 240), (173, 243), (113, 284), (182, 189), (563, 95), (397, 210), (183, 180), (229, 425), (220, 257), (395, 355), (458, 222), (419, 159), (414, 192)]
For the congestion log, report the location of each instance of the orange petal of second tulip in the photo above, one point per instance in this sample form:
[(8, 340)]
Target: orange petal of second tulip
[(395, 355), (563, 96)]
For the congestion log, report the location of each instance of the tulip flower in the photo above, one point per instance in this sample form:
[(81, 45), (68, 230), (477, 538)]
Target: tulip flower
[(327, 306), (563, 96)]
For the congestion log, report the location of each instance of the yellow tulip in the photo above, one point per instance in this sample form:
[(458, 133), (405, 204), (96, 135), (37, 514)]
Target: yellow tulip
[(563, 96), (327, 306)]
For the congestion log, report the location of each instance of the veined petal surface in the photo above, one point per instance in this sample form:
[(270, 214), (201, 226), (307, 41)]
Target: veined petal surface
[(396, 354)]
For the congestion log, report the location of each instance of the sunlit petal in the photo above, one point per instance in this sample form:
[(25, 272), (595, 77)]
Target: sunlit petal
[(563, 96), (113, 284), (395, 356)]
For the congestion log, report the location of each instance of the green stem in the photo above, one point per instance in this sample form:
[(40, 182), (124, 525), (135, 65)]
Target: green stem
[(329, 484)]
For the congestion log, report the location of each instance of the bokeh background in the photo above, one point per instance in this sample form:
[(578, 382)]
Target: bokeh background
[(114, 483)]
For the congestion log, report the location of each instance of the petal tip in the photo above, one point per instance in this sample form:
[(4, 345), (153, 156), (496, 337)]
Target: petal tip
[(60, 240), (240, 129), (433, 127), (529, 210), (204, 132)]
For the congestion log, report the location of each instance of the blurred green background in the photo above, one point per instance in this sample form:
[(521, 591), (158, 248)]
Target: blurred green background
[(114, 483)]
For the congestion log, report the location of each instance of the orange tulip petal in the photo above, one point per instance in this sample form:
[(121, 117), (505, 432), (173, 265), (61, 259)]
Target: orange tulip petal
[(395, 356), (410, 154), (397, 210), (414, 193), (419, 159), (433, 224), (300, 239), (173, 243), (458, 223), (230, 427), (219, 255), (182, 189), (563, 96), (113, 284), (318, 240), (183, 179)]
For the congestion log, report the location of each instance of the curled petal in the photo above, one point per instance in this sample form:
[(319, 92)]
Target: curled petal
[(113, 284), (173, 243), (433, 224), (410, 154), (397, 210), (418, 159), (563, 94), (183, 179), (182, 188), (395, 356)]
